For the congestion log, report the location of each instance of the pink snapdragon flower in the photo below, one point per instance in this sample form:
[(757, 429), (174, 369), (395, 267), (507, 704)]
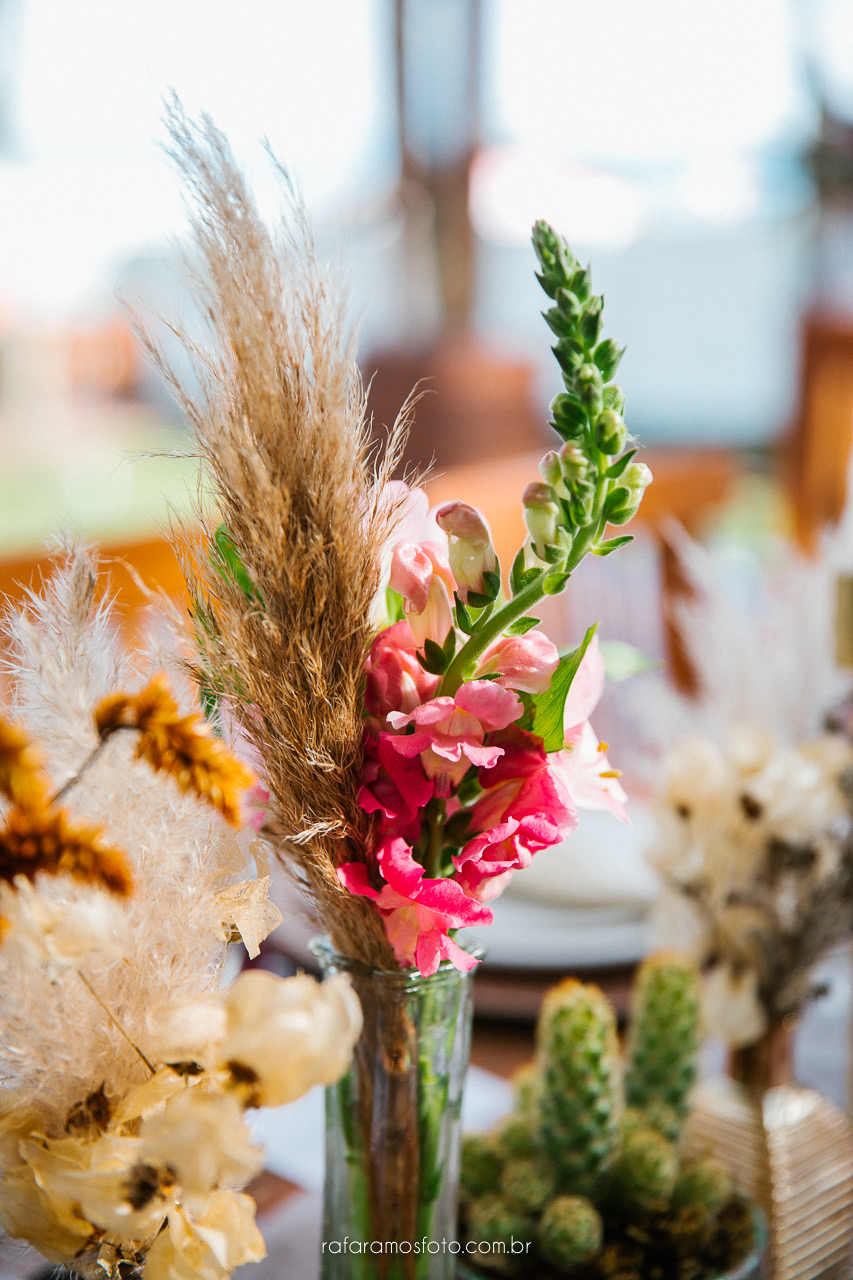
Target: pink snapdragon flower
[(395, 680), (449, 732), (471, 552), (486, 864), (526, 663), (583, 764), (523, 785), (418, 912), (393, 786), (421, 574)]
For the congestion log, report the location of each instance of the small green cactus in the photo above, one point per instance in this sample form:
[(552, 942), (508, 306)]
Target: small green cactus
[(580, 1091), (656, 1116), (570, 1232), (529, 1184), (524, 1085), (481, 1164), (664, 1038), (493, 1220), (644, 1174), (518, 1136), (703, 1185)]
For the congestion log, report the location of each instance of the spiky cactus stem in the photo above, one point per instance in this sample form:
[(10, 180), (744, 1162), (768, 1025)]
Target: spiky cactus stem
[(580, 1091), (664, 1038)]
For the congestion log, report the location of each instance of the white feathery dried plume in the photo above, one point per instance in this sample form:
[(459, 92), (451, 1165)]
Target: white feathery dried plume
[(124, 1069)]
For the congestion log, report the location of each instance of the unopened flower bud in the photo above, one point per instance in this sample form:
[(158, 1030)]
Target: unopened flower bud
[(470, 551), (573, 463), (637, 477), (541, 515), (610, 432), (590, 386), (551, 472)]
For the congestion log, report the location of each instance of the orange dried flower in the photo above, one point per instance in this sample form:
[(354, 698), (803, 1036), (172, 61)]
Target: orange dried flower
[(22, 778), (182, 746), (48, 840)]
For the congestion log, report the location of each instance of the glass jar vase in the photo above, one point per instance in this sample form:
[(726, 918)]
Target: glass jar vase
[(393, 1126)]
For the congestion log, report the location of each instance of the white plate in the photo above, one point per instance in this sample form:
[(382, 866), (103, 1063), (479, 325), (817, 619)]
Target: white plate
[(528, 935)]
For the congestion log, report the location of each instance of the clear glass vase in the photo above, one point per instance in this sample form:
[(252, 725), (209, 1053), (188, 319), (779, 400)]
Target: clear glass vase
[(393, 1126)]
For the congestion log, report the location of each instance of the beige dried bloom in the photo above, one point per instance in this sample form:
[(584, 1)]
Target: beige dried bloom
[(203, 1138), (209, 1247), (180, 745)]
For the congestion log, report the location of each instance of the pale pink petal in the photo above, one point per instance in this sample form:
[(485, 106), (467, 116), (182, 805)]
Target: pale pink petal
[(587, 686), (411, 574), (526, 663), (494, 707), (460, 959)]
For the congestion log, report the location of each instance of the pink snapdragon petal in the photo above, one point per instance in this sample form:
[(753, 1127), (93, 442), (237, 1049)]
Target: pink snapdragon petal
[(418, 912), (524, 662), (449, 732), (420, 573), (585, 768), (394, 786), (587, 687), (395, 680), (526, 783), (471, 553)]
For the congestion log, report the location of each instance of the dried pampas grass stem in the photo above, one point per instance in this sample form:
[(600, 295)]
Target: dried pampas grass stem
[(284, 442)]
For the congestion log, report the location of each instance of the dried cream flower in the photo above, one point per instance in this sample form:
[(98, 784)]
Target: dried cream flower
[(246, 907), (188, 1031), (286, 1035), (202, 1137), (208, 1247)]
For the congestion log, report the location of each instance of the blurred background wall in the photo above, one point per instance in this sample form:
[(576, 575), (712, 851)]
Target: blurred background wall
[(699, 156)]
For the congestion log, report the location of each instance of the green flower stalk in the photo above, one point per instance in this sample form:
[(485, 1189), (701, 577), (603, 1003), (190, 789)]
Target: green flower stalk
[(580, 1100), (664, 1040)]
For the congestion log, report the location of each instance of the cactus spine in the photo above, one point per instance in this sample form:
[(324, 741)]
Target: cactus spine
[(580, 1084), (664, 1040)]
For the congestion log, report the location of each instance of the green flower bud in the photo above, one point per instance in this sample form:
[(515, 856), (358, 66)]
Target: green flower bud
[(551, 471), (574, 464), (610, 432), (590, 322), (590, 388), (542, 515), (569, 416), (637, 477), (607, 356), (614, 398)]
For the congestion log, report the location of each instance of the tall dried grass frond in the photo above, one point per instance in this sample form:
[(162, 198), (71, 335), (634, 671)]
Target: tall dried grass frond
[(282, 432)]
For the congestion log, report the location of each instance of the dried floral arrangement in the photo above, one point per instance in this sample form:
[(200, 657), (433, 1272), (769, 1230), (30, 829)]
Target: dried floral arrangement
[(409, 773), (125, 1070), (756, 838), (586, 1176)]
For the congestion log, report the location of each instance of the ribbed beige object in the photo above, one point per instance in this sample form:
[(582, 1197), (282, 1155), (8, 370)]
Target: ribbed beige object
[(792, 1150)]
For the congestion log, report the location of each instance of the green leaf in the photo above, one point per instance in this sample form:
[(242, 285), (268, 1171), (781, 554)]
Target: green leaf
[(516, 572), (529, 575), (435, 655), (522, 625), (227, 563), (604, 548), (555, 583), (619, 465), (548, 707), (449, 646), (479, 600), (622, 660), (554, 555), (607, 356), (435, 669), (492, 583), (616, 500), (456, 828), (393, 606), (463, 617)]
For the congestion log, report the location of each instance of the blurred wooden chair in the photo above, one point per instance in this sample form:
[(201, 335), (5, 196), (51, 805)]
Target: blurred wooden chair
[(816, 453)]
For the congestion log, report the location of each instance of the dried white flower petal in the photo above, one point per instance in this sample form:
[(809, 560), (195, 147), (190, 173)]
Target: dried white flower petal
[(107, 1183), (208, 1247), (148, 1097), (247, 908), (188, 1030), (287, 1034), (202, 1137)]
